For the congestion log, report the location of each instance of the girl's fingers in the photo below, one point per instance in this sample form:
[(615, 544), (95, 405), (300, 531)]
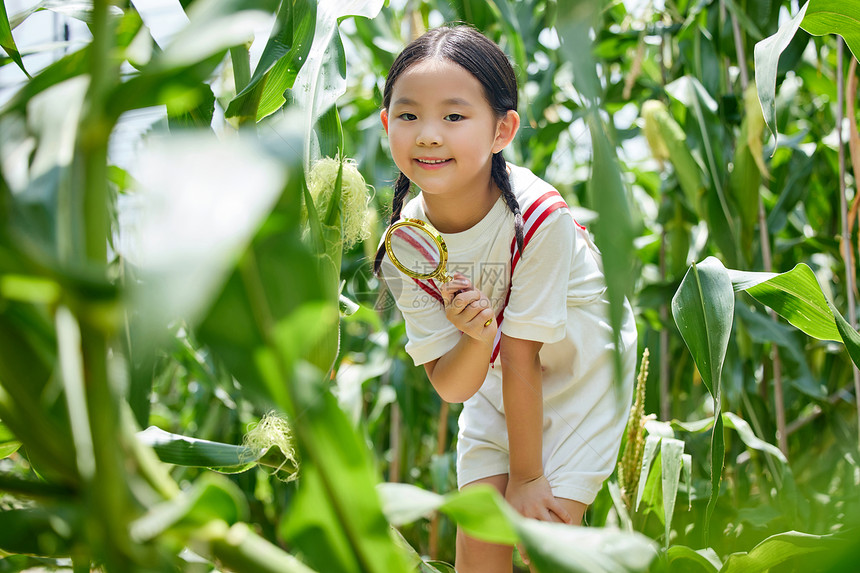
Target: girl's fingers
[(558, 510)]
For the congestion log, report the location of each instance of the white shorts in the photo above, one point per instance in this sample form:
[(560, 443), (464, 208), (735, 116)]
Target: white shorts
[(585, 413)]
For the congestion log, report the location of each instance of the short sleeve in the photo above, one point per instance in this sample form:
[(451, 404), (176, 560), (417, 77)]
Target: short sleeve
[(429, 332), (537, 309)]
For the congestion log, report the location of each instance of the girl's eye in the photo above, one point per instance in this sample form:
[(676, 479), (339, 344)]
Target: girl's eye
[(453, 117), (408, 116)]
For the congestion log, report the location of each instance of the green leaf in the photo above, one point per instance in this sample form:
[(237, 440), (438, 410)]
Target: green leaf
[(210, 498), (834, 17), (483, 513), (684, 558), (8, 448), (767, 53), (284, 55), (672, 452), (336, 517), (777, 549), (795, 295), (322, 80), (649, 452), (7, 42), (703, 308), (191, 224), (749, 438), (560, 547), (37, 531)]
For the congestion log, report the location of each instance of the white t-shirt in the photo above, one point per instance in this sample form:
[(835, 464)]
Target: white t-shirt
[(558, 298)]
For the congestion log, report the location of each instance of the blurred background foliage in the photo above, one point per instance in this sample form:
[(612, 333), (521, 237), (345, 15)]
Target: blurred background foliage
[(199, 372)]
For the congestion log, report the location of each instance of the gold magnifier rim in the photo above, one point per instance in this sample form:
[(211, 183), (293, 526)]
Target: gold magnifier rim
[(439, 271)]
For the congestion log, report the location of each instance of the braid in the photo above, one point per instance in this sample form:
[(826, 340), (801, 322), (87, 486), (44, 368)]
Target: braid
[(401, 189), (500, 176)]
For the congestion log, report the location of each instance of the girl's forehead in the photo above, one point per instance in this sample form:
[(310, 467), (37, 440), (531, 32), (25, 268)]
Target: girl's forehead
[(437, 77)]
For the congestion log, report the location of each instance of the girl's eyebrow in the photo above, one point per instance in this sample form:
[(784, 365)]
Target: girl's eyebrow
[(449, 101)]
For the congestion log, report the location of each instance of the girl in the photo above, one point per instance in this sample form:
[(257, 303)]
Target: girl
[(542, 420)]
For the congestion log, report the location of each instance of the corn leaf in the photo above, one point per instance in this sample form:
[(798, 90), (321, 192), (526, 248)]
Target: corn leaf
[(796, 296), (703, 308), (285, 53), (834, 17), (685, 558), (7, 42), (211, 497), (777, 549), (672, 451), (551, 546)]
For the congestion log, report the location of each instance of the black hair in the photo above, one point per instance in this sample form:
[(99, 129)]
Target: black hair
[(481, 57)]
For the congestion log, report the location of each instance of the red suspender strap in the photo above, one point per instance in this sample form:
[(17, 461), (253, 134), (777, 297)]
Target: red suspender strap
[(534, 216), (430, 288)]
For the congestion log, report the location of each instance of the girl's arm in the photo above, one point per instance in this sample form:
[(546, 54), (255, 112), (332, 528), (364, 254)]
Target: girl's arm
[(522, 391), (459, 373)]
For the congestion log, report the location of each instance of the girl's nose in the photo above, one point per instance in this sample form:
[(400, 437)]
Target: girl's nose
[(429, 137)]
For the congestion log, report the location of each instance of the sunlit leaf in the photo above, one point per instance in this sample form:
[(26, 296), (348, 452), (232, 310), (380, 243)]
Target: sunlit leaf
[(284, 55), (551, 546), (778, 549), (189, 222), (834, 17), (322, 80), (795, 295), (687, 559)]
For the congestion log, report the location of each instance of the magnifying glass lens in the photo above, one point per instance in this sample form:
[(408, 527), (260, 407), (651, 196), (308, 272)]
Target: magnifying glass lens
[(415, 250)]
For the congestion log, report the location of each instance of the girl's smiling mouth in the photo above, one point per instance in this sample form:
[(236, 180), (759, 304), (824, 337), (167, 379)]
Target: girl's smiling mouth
[(430, 163)]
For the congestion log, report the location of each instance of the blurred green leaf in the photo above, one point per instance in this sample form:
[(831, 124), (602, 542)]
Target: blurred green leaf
[(40, 531), (777, 549), (211, 497), (336, 517), (551, 546), (685, 558), (190, 222)]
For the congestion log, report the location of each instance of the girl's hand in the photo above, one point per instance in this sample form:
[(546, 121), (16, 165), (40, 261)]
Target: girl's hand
[(533, 498), (468, 309)]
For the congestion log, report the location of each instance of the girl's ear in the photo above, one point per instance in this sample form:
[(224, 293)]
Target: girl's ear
[(383, 115), (506, 129)]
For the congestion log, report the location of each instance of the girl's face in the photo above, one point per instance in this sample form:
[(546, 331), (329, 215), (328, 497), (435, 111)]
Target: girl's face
[(441, 130)]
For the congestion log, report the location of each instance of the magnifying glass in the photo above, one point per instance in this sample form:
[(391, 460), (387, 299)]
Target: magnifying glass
[(418, 251)]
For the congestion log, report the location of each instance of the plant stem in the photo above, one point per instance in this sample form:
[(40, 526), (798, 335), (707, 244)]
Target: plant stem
[(767, 262), (441, 443), (843, 211), (106, 493)]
